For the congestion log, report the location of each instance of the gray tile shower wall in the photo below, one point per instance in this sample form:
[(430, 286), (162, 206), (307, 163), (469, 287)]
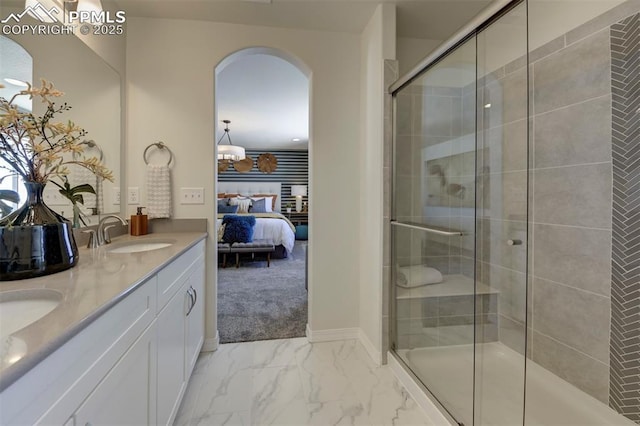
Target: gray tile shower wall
[(584, 135), (501, 209), (570, 211), (625, 289)]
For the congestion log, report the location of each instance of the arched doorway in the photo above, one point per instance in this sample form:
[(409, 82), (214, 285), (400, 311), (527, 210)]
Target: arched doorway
[(261, 292)]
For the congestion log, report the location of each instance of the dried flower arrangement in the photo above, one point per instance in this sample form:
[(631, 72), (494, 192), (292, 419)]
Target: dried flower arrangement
[(38, 148)]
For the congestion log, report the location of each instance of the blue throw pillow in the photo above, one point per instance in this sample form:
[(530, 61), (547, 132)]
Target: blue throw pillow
[(238, 229), (259, 206), (227, 209)]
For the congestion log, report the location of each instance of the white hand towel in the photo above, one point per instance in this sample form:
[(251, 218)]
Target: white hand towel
[(158, 191), (80, 175), (417, 275), (99, 196)]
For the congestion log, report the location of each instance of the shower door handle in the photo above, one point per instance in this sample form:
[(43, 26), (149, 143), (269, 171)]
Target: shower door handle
[(514, 242)]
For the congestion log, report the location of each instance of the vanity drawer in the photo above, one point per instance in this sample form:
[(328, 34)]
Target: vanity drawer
[(173, 275)]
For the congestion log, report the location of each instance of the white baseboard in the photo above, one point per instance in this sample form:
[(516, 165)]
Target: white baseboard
[(332, 334), (211, 344), (419, 396), (375, 354), (335, 334)]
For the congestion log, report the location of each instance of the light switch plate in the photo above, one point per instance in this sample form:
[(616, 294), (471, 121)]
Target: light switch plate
[(191, 195), (116, 196)]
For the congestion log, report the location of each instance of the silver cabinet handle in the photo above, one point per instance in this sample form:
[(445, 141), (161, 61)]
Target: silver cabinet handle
[(195, 296), (514, 242), (192, 302)]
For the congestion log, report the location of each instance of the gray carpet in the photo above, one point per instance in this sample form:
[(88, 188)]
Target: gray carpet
[(260, 303)]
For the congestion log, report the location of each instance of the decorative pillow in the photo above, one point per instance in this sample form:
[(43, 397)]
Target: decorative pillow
[(273, 200), (227, 209), (259, 205), (268, 204), (238, 229), (221, 233), (223, 202), (242, 203)]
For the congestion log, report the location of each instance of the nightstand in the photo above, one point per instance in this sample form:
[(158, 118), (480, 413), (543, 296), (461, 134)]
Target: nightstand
[(296, 218), (301, 222)]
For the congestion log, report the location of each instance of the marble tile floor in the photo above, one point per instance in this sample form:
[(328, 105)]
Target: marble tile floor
[(293, 382)]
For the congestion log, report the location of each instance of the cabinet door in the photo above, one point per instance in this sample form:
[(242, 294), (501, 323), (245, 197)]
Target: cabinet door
[(126, 396), (195, 320), (171, 354)]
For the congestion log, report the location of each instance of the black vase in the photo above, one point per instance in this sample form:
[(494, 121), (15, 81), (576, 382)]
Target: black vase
[(35, 240)]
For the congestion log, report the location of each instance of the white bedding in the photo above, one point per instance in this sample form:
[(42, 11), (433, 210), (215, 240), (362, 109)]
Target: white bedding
[(277, 230)]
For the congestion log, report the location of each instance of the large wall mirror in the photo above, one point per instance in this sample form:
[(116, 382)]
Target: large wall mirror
[(93, 90)]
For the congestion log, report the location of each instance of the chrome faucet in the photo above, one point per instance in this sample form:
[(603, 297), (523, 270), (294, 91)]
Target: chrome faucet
[(103, 231)]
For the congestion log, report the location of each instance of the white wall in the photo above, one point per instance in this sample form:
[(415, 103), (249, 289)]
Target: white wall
[(377, 44), (112, 47), (170, 70), (410, 51)]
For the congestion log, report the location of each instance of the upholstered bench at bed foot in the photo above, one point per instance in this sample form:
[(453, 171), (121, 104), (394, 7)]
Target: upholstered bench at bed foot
[(224, 249), (256, 246)]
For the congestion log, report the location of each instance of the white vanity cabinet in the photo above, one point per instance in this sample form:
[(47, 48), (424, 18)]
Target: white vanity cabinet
[(180, 329), (129, 366), (126, 396), (195, 319)]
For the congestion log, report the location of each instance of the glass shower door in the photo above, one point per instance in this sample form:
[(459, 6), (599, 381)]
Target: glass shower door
[(433, 235), (501, 244), (460, 225)]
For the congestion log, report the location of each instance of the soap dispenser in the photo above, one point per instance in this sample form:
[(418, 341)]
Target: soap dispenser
[(138, 223)]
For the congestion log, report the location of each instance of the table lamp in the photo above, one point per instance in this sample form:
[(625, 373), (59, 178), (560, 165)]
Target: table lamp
[(299, 191)]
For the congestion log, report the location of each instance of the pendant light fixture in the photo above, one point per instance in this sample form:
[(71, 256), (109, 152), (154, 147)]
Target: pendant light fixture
[(229, 152)]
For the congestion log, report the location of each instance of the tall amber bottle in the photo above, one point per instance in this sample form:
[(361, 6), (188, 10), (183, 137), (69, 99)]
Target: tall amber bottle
[(138, 223)]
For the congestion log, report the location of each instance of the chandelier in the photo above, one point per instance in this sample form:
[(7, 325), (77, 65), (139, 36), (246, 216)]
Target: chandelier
[(229, 152)]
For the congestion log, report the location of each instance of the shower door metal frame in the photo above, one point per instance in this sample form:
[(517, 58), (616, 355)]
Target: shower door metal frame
[(487, 16)]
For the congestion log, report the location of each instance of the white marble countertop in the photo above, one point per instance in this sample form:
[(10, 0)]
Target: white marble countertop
[(98, 281)]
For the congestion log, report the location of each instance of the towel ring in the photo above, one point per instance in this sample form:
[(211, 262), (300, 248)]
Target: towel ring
[(92, 144), (159, 145)]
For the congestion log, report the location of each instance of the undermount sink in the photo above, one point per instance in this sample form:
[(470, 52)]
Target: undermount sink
[(138, 246), (20, 308)]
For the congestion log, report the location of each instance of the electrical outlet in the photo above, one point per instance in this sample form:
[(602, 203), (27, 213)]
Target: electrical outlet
[(191, 195), (133, 195), (116, 196)]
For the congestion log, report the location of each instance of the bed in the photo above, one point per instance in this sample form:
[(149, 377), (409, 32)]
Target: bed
[(272, 225)]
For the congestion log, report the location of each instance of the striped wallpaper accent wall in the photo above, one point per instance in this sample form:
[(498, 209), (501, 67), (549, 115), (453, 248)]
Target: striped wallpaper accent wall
[(624, 394), (293, 169)]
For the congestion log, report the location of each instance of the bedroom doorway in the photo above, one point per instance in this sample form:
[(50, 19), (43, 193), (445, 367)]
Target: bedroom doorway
[(262, 99)]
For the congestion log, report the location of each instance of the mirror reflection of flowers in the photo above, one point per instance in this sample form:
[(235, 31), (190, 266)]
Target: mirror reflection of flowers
[(74, 194), (36, 147)]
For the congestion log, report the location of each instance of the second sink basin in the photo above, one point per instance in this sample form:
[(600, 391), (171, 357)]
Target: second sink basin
[(138, 246), (20, 308)]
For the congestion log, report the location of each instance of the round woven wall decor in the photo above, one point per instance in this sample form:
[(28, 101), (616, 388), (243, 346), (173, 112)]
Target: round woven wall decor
[(223, 165), (267, 163), (243, 166)]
